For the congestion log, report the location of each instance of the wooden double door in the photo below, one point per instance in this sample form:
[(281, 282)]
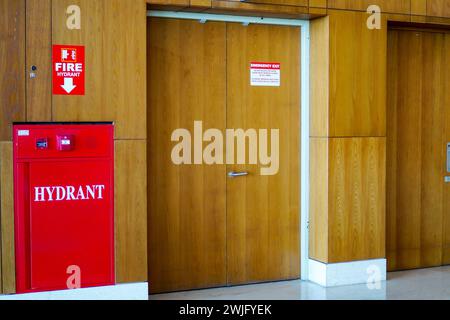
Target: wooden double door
[(418, 198), (205, 228)]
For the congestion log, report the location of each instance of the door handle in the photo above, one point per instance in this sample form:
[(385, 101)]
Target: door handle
[(233, 174), (448, 157)]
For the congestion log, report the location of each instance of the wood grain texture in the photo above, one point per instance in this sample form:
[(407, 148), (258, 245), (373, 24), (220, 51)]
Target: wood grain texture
[(319, 77), (180, 3), (8, 273), (298, 3), (417, 136), (438, 8), (200, 3), (319, 201), (263, 227), (347, 85), (389, 6), (39, 54), (131, 210), (446, 190), (357, 79), (356, 221), (400, 17), (12, 64), (318, 3), (187, 206), (316, 12), (258, 9), (391, 146), (348, 106), (419, 7), (114, 33), (438, 20), (347, 199), (396, 10)]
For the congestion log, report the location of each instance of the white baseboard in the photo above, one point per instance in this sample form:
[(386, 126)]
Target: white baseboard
[(128, 291), (347, 273)]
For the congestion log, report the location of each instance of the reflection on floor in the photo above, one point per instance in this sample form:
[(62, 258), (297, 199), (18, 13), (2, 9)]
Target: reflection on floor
[(429, 284)]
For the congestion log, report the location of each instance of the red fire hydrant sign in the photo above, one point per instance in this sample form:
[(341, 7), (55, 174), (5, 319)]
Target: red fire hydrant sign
[(68, 70)]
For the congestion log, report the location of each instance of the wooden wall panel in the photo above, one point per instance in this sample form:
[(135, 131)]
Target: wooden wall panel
[(12, 64), (438, 8), (389, 6), (258, 9), (348, 94), (299, 3), (432, 8), (114, 33), (131, 210), (419, 7), (318, 209), (200, 3), (318, 3), (7, 218), (357, 170), (320, 77), (347, 199), (357, 77), (39, 54), (181, 3), (395, 10), (438, 21)]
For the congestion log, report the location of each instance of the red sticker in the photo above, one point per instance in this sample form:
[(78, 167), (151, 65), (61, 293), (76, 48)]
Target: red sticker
[(68, 70)]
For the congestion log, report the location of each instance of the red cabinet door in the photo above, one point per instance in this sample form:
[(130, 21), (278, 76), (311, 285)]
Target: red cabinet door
[(64, 206)]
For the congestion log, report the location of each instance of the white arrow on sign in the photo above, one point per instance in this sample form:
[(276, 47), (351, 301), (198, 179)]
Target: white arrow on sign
[(68, 85)]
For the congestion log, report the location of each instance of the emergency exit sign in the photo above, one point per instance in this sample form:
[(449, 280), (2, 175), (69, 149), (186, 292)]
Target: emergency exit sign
[(68, 70), (265, 74)]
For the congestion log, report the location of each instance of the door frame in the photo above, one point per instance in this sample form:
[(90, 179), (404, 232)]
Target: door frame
[(304, 92)]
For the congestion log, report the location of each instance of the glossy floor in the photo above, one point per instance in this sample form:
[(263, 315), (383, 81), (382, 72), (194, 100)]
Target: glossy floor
[(433, 283)]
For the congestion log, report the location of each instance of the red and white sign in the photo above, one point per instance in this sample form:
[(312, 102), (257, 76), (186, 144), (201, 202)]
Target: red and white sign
[(68, 70), (265, 74)]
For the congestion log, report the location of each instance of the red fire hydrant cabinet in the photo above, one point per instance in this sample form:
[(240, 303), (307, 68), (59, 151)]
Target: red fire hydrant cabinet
[(64, 206)]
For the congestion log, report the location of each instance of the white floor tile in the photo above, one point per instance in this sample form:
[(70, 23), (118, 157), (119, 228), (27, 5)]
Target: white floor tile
[(423, 284)]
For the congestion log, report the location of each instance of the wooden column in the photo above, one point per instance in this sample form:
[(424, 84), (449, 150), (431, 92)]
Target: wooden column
[(348, 138)]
